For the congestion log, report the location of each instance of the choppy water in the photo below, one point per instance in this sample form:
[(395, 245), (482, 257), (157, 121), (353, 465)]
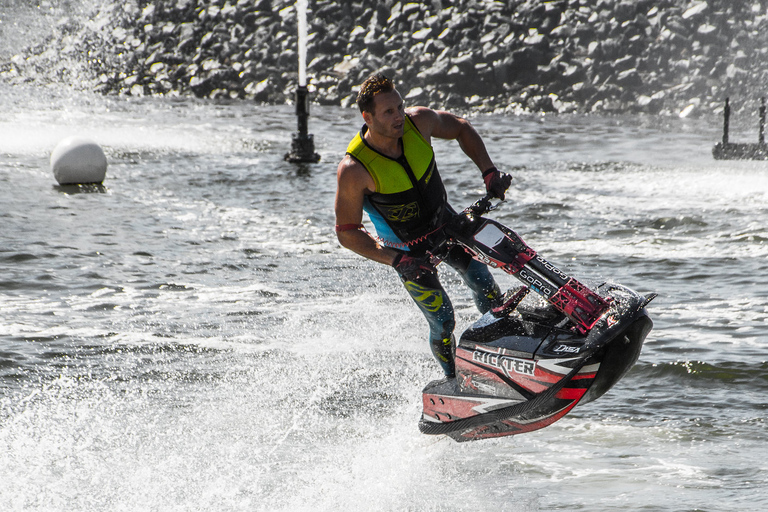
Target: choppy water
[(193, 337)]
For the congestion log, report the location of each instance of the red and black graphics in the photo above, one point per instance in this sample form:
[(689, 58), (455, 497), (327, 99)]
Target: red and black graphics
[(452, 400), (494, 371), (581, 304), (526, 364), (523, 371), (492, 378), (536, 418), (498, 246)]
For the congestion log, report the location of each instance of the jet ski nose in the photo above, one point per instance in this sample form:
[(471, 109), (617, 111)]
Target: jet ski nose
[(648, 298)]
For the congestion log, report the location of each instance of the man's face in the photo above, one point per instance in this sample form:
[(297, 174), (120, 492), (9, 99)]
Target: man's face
[(388, 118)]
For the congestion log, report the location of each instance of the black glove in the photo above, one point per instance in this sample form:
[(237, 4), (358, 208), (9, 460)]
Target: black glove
[(496, 183), (411, 269)]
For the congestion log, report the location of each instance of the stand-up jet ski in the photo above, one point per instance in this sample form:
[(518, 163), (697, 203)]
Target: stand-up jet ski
[(525, 364)]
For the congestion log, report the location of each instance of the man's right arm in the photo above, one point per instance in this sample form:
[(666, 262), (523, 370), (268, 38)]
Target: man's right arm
[(353, 182)]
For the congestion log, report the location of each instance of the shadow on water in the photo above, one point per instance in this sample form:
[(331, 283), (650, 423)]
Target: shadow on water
[(300, 169), (83, 188)]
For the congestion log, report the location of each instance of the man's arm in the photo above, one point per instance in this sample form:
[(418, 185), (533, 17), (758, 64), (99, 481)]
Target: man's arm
[(445, 125), (353, 182)]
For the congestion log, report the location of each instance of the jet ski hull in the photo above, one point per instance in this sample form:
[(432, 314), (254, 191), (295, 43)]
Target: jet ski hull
[(520, 371)]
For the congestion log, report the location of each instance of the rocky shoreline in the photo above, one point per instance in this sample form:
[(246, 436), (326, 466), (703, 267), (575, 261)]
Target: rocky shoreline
[(674, 57)]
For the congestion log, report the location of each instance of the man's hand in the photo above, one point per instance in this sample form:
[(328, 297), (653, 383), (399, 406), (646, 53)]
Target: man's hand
[(496, 183), (411, 269)]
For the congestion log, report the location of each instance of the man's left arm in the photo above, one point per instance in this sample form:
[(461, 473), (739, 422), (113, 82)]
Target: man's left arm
[(445, 125)]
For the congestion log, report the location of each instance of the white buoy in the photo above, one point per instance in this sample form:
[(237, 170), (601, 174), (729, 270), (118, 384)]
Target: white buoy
[(77, 160)]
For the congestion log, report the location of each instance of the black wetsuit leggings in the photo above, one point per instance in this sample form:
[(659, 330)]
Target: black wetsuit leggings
[(434, 302)]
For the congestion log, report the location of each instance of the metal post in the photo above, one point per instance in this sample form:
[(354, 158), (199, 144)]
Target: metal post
[(302, 109), (726, 120), (303, 143), (761, 137)]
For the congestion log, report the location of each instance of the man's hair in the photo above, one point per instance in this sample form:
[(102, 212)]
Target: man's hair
[(372, 86)]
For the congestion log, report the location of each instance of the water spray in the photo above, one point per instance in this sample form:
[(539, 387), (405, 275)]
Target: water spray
[(303, 143)]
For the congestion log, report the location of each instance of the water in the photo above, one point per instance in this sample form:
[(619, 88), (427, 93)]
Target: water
[(301, 17), (194, 338)]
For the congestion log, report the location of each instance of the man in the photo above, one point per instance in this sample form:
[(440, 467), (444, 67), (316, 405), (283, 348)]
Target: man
[(389, 172)]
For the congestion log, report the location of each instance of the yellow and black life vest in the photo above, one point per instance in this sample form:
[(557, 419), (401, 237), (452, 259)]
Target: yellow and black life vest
[(410, 196)]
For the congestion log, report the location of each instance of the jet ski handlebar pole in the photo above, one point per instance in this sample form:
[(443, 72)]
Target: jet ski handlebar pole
[(582, 305), (482, 206)]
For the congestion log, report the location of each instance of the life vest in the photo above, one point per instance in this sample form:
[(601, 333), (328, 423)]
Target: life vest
[(410, 198)]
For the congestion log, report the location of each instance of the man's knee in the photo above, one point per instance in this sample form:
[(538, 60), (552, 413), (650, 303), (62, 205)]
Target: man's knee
[(429, 299)]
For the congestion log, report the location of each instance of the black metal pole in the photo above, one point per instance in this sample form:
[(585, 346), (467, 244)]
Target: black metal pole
[(761, 136), (302, 109), (303, 143), (726, 120)]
